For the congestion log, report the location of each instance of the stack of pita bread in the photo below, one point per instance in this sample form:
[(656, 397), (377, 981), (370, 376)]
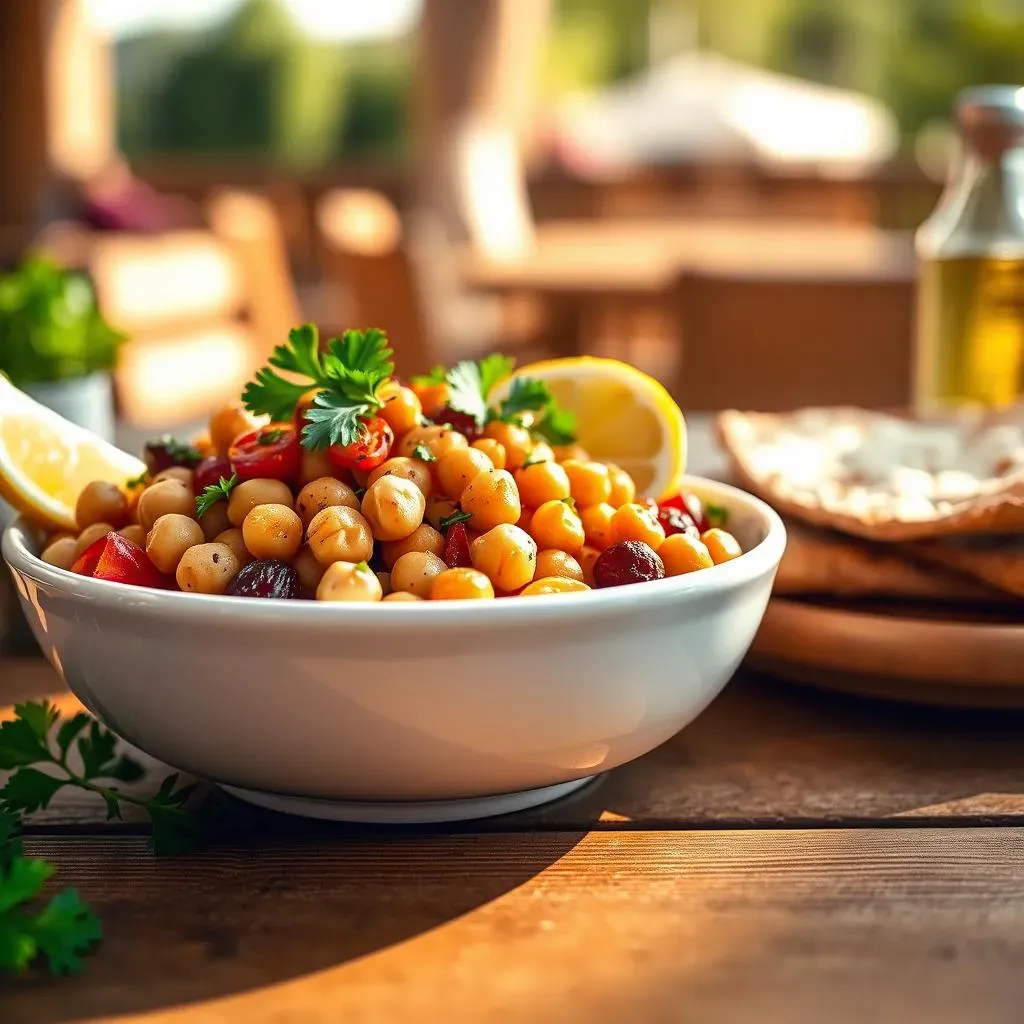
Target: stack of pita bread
[(881, 508)]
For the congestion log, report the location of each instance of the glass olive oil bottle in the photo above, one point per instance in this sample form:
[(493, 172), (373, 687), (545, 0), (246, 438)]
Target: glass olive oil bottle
[(970, 320)]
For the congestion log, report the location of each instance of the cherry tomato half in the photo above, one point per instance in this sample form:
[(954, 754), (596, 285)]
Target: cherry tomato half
[(117, 559), (270, 452), (210, 471), (368, 452)]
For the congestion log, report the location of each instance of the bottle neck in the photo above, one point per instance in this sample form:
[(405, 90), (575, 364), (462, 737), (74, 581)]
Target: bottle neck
[(982, 206)]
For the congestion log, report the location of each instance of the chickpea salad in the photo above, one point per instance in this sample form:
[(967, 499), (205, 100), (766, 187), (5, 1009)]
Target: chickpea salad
[(332, 479)]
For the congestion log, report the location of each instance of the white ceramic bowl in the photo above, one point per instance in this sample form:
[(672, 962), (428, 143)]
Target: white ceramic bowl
[(404, 712)]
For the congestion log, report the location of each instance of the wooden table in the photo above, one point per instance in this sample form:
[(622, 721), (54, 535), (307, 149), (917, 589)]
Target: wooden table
[(790, 857), (643, 259)]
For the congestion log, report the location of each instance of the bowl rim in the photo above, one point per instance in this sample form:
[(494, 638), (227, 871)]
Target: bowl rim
[(760, 560)]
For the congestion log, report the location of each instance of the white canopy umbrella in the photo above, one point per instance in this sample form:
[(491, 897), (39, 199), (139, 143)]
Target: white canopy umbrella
[(702, 106)]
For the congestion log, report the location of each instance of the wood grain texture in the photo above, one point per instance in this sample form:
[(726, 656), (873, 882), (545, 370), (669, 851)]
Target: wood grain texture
[(762, 754), (773, 927)]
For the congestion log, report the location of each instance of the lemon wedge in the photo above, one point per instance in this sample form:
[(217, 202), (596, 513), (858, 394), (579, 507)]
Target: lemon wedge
[(622, 416), (45, 461)]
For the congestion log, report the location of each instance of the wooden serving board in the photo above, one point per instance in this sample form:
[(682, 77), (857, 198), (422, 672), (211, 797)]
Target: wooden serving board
[(938, 657)]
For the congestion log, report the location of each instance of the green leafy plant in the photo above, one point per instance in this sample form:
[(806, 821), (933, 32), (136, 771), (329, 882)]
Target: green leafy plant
[(44, 755), (51, 328)]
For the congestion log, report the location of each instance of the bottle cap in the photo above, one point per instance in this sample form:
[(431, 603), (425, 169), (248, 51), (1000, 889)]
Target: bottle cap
[(991, 117)]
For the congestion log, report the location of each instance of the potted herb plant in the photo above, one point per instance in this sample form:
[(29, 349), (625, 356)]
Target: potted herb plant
[(55, 344)]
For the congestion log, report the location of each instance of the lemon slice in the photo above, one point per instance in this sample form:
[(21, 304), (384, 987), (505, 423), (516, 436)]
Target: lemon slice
[(45, 461), (622, 416)]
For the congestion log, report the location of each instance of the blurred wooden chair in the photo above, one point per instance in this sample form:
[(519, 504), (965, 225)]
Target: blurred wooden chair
[(248, 224), (772, 343)]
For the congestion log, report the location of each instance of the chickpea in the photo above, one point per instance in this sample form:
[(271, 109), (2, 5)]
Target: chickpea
[(61, 552), (402, 409), (207, 569), (215, 520), (556, 525), (235, 539), (433, 397), (90, 535), (460, 585), (436, 439), (227, 424), (589, 482), (101, 502), (682, 554), (514, 439), (272, 531), (551, 562), (597, 524), (564, 452), (349, 581), (637, 522), (415, 573), (494, 450), (250, 493), (321, 494), (587, 556), (182, 473), (456, 468), (393, 507), (439, 508), (721, 545), (384, 578), (314, 466), (491, 499), (340, 534), (541, 481), (164, 498), (423, 538), (506, 555), (401, 595), (553, 585), (541, 452), (407, 469), (623, 488), (135, 533), (172, 535), (309, 569)]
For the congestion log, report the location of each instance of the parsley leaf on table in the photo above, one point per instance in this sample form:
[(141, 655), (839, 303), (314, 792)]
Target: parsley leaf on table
[(219, 491)]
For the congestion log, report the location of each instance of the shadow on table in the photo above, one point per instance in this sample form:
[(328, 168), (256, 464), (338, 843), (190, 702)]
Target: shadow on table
[(237, 918)]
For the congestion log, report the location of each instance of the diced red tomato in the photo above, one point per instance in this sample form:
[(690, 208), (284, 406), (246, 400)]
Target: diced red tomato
[(119, 560), (210, 471), (368, 452), (271, 452), (456, 547)]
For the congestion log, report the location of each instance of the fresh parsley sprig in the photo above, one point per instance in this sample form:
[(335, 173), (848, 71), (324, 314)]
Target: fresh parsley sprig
[(458, 516), (423, 453), (470, 384), (346, 376), (61, 930), (213, 493)]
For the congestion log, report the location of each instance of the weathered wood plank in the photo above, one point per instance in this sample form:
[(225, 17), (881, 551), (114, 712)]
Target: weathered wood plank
[(775, 927), (763, 753)]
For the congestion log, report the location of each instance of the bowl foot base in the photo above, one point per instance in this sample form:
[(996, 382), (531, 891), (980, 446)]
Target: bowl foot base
[(411, 812)]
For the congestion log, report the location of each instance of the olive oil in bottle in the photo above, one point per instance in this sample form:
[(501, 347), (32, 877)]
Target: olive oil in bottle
[(970, 322)]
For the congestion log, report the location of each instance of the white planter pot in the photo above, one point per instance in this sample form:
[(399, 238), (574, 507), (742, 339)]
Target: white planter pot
[(87, 401)]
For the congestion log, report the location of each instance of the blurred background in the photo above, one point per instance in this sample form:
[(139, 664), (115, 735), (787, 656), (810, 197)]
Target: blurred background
[(722, 193)]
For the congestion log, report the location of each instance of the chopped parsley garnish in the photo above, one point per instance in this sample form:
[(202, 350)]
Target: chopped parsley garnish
[(272, 436), (717, 515), (220, 491), (347, 375), (456, 517), (180, 453), (422, 452), (137, 481), (436, 376), (571, 502)]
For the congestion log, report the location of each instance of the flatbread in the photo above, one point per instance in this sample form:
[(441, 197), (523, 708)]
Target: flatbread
[(882, 477), (818, 563), (998, 562)]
